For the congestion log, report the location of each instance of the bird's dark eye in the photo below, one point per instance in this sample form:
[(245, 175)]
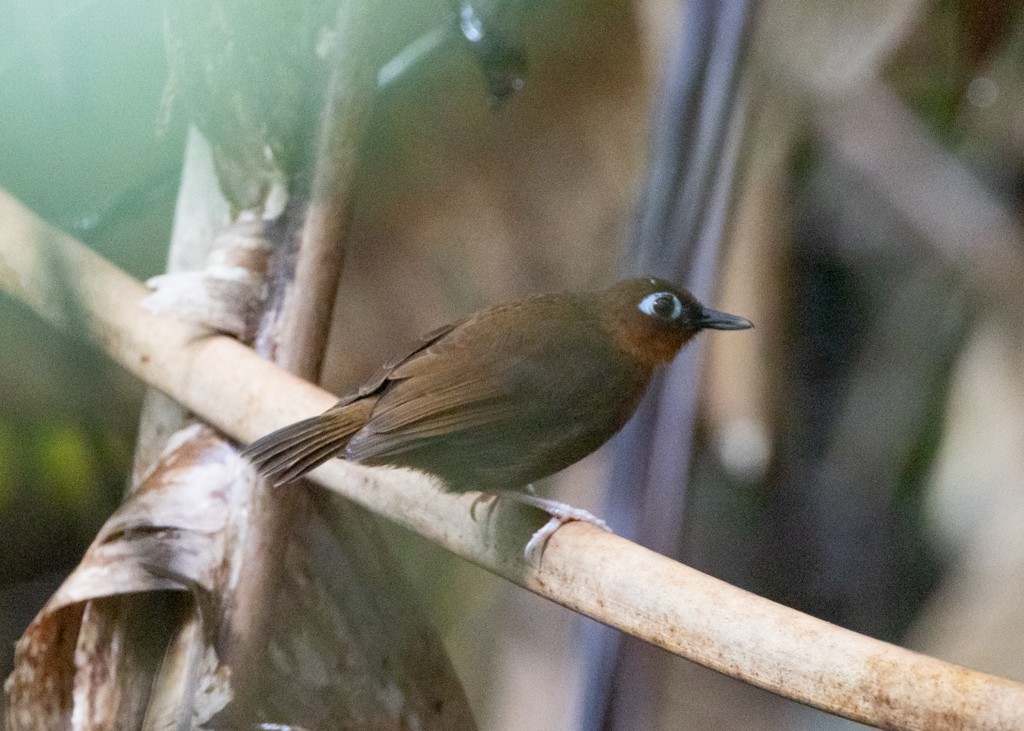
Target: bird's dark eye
[(663, 306)]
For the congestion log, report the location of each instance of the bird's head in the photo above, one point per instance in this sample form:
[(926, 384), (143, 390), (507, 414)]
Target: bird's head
[(652, 319)]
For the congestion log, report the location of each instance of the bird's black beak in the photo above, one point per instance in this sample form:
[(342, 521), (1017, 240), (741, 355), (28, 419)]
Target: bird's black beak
[(715, 320)]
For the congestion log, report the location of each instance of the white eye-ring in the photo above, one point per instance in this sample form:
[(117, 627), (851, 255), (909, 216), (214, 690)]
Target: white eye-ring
[(663, 306)]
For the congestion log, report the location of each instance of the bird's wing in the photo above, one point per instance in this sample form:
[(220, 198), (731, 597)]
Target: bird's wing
[(430, 395), (461, 381), (386, 371)]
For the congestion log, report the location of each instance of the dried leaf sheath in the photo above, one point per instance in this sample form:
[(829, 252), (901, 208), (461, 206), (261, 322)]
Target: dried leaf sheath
[(174, 534)]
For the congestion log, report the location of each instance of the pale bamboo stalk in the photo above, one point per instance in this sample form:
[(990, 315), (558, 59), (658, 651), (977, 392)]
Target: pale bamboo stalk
[(605, 577)]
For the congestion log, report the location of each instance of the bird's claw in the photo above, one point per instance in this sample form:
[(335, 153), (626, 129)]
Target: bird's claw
[(483, 498), (561, 514), (534, 549)]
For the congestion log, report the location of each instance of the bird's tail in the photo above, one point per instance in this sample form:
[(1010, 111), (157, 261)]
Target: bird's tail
[(289, 453)]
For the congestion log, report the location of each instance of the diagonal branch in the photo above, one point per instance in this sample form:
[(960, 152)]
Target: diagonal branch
[(584, 569)]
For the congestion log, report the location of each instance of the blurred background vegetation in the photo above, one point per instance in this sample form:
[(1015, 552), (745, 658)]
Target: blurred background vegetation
[(860, 458)]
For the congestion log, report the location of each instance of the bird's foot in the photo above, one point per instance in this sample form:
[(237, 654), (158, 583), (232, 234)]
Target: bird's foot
[(484, 498), (560, 513)]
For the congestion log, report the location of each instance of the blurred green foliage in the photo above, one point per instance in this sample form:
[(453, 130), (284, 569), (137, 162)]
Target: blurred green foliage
[(84, 136), (8, 456), (84, 142), (953, 43), (63, 456)]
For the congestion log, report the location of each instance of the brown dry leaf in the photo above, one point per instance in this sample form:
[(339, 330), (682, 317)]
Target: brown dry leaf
[(169, 536), (139, 634)]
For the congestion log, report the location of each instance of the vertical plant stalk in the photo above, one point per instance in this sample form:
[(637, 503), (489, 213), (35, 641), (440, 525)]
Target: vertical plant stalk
[(201, 211), (305, 319), (295, 328), (681, 221)]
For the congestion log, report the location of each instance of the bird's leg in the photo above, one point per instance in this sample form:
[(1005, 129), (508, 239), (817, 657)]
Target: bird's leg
[(560, 513)]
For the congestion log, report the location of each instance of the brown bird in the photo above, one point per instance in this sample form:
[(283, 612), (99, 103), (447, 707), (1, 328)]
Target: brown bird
[(507, 396)]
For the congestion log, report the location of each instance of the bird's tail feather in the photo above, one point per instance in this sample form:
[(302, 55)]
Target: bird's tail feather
[(289, 453)]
